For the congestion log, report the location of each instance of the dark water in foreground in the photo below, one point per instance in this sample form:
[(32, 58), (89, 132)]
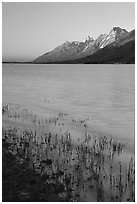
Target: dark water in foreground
[(103, 93)]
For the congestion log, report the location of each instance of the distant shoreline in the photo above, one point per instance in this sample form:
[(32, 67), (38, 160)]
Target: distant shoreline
[(60, 63)]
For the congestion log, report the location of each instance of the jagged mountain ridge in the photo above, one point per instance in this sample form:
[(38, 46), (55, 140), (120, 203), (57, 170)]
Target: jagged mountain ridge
[(120, 51), (76, 50)]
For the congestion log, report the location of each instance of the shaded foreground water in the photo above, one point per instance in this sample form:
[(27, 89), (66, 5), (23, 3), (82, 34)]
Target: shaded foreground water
[(43, 162)]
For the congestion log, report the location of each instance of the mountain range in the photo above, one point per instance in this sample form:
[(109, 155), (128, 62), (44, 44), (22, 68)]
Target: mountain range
[(118, 46)]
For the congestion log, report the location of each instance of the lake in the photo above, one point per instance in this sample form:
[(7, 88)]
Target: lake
[(103, 93)]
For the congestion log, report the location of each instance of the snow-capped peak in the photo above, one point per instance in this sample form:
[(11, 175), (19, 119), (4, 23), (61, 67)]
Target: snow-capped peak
[(117, 31), (87, 39)]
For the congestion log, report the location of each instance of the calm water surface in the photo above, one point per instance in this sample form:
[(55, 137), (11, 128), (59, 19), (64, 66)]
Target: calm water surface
[(104, 93)]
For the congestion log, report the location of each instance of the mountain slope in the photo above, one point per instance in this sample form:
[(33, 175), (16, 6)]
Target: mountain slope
[(111, 48), (124, 53), (120, 51), (66, 51)]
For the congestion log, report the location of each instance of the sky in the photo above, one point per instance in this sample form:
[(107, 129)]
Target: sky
[(32, 29)]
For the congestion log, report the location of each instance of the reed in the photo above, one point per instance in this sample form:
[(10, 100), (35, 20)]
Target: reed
[(68, 168)]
